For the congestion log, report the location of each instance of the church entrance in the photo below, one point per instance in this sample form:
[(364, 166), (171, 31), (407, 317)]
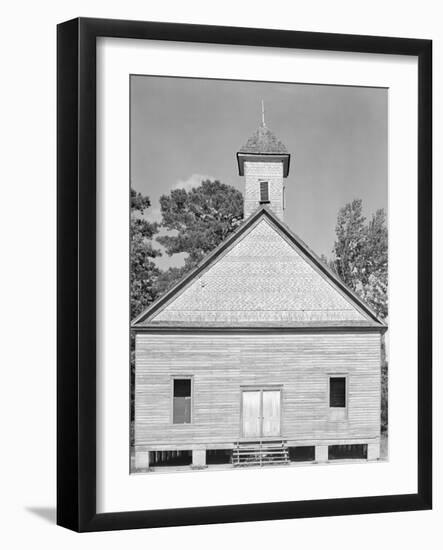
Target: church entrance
[(261, 413)]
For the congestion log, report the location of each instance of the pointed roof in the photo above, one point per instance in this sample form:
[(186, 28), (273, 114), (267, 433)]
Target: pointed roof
[(263, 141), (262, 275)]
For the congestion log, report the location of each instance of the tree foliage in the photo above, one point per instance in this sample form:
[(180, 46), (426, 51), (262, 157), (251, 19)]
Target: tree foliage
[(200, 219), (360, 258), (168, 278), (360, 255), (144, 272)]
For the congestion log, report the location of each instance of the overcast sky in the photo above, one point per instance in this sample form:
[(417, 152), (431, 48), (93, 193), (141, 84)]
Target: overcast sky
[(184, 130)]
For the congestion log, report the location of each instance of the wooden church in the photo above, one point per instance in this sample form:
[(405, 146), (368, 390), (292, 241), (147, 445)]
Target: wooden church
[(260, 355)]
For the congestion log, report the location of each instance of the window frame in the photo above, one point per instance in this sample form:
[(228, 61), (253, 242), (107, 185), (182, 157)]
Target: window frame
[(171, 412), (337, 413), (261, 201)]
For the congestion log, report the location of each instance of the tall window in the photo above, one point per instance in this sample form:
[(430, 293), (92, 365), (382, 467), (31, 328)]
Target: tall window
[(264, 191), (182, 399), (337, 391)]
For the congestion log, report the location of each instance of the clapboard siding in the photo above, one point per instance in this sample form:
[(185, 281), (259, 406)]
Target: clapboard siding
[(221, 363)]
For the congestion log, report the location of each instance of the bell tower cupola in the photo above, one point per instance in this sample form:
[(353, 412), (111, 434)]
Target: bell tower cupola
[(264, 162)]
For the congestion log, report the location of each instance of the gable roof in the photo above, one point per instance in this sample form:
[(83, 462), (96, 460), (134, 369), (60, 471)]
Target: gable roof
[(261, 275)]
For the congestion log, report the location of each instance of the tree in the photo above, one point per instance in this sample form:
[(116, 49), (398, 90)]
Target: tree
[(375, 288), (144, 272), (168, 278), (198, 220), (360, 258), (375, 293), (350, 245), (360, 255)]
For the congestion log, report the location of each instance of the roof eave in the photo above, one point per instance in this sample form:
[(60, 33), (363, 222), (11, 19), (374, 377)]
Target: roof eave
[(243, 156), (255, 327)]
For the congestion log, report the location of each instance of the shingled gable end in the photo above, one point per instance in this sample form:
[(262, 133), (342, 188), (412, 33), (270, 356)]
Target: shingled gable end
[(261, 353), (262, 275)]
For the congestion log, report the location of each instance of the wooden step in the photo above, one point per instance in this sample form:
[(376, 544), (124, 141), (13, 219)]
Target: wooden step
[(258, 463), (264, 445), (263, 461), (260, 453), (255, 447), (261, 449)]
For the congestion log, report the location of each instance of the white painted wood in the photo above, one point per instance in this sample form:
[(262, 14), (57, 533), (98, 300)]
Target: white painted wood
[(373, 451), (321, 453), (141, 458), (199, 458), (271, 413), (251, 413), (223, 364)]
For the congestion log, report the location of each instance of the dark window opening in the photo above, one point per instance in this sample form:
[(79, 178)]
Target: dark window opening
[(218, 456), (170, 458), (337, 391), (182, 401), (302, 454), (340, 452), (264, 191)]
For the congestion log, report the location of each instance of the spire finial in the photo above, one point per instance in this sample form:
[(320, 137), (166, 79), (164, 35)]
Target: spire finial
[(263, 113)]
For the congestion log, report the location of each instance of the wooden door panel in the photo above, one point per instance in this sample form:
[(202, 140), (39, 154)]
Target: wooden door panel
[(251, 414), (271, 413)]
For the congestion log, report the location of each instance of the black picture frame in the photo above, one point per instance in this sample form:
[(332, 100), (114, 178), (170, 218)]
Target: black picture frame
[(76, 265)]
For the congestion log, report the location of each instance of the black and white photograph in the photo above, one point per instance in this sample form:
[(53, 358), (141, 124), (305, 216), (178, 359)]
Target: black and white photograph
[(222, 221), (258, 274)]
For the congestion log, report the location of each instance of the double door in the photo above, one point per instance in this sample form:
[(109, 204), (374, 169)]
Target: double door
[(261, 413)]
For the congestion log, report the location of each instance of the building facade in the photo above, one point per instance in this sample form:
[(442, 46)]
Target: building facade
[(260, 355)]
